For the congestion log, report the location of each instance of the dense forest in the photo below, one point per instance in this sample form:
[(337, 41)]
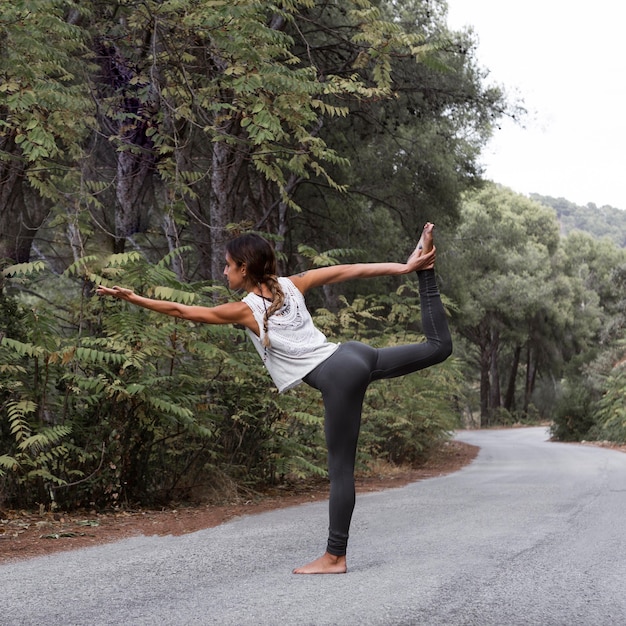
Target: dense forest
[(137, 137)]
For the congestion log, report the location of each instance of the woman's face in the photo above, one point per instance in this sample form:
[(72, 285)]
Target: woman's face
[(235, 274)]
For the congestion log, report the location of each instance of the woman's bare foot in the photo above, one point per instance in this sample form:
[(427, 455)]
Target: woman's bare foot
[(326, 564), (426, 240), (424, 245)]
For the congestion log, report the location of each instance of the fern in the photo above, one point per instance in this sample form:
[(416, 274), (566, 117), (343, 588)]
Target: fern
[(97, 357), (122, 259), (170, 408), (176, 295), (35, 452), (23, 349), (298, 467), (18, 422), (80, 267), (8, 463), (23, 269), (45, 438)]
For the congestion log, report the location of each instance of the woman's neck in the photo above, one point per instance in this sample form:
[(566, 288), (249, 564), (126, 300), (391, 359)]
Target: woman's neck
[(263, 291)]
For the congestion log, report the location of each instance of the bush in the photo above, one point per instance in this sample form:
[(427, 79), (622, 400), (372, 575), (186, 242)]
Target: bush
[(108, 405), (610, 416), (573, 414)]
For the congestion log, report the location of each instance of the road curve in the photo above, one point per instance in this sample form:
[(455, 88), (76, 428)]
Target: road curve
[(531, 533)]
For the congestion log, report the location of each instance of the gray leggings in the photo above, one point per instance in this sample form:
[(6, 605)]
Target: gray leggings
[(343, 379)]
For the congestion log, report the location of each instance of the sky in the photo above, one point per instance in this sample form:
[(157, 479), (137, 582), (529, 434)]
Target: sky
[(567, 61)]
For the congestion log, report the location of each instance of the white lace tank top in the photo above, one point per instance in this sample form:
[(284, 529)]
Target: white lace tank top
[(296, 346)]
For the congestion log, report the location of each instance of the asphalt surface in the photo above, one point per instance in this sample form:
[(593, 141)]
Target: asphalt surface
[(531, 533)]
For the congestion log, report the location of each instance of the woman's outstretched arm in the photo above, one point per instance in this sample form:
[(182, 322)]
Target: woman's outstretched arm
[(229, 313), (422, 258)]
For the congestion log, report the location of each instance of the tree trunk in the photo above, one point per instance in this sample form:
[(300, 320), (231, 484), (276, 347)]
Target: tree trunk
[(509, 398), (22, 211), (132, 115), (227, 177), (170, 229), (531, 374), (133, 171), (485, 385), (494, 396)]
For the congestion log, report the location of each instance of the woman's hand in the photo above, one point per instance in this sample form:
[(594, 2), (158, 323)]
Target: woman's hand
[(115, 292), (423, 257), (421, 260)]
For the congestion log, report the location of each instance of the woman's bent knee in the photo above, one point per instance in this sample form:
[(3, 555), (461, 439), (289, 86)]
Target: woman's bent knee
[(444, 350), (448, 348)]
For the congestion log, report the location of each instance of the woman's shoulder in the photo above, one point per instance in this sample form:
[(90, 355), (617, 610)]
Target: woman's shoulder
[(287, 283), (294, 283), (291, 286)]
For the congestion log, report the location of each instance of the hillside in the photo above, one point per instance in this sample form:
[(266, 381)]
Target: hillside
[(605, 221)]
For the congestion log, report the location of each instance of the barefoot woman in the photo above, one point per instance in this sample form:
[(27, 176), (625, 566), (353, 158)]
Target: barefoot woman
[(293, 350)]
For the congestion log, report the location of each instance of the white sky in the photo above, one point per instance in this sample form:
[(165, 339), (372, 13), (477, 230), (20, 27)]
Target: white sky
[(567, 60)]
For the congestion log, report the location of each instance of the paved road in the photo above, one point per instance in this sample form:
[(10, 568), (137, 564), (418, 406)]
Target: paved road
[(531, 533)]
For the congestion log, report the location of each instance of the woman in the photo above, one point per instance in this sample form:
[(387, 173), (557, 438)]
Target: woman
[(293, 350)]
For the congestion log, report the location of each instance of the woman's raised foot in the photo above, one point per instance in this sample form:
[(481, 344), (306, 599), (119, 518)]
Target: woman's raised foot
[(424, 246), (426, 240)]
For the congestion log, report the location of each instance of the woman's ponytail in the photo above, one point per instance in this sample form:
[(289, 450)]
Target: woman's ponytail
[(278, 299)]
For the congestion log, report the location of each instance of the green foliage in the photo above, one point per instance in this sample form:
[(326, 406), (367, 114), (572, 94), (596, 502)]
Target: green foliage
[(539, 313), (541, 316), (594, 376), (34, 457), (44, 103), (610, 416), (573, 414), (605, 379), (411, 156), (405, 419), (148, 129), (156, 124), (145, 408), (500, 277)]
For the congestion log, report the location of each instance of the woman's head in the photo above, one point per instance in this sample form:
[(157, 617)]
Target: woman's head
[(256, 253), (255, 262)]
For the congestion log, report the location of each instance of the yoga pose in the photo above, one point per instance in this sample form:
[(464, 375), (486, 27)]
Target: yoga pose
[(294, 350)]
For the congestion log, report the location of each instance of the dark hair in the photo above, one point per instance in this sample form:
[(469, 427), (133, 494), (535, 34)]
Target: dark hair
[(260, 259), (256, 252)]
